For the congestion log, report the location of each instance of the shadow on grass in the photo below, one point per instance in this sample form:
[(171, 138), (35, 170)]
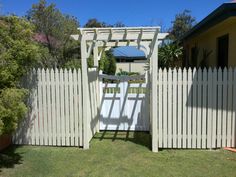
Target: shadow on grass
[(9, 158), (140, 138)]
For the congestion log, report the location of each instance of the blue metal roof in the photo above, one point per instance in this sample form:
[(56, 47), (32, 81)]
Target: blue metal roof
[(128, 52)]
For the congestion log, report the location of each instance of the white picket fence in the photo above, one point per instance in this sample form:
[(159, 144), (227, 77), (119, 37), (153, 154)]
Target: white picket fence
[(55, 108), (196, 108)]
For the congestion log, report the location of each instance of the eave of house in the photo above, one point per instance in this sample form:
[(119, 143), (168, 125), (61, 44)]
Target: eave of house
[(223, 12)]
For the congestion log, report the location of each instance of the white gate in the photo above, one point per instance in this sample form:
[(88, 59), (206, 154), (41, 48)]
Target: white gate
[(124, 104)]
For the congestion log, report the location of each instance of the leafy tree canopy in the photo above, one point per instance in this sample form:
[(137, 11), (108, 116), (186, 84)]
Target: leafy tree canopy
[(54, 30), (18, 53), (95, 23), (183, 22)]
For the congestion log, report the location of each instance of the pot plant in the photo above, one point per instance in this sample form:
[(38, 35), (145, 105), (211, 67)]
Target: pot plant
[(12, 111)]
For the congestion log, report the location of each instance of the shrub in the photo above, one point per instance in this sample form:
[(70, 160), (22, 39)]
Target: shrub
[(12, 109)]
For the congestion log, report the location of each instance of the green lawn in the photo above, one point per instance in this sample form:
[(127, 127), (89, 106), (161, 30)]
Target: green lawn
[(114, 155)]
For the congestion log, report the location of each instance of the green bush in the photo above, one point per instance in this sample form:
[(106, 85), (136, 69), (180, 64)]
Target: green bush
[(18, 53), (108, 63), (12, 109)]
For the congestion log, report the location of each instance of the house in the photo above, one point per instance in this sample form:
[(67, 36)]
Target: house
[(212, 42), (130, 59)]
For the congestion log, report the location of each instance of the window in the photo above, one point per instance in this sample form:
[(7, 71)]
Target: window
[(223, 47), (194, 56)]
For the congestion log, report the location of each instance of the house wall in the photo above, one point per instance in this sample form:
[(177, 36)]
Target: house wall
[(208, 41), (138, 66)]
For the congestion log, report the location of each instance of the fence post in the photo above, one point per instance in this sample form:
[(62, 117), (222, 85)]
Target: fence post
[(85, 94), (154, 74)]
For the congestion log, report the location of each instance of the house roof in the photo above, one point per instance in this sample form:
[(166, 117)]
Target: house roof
[(128, 53), (223, 12)]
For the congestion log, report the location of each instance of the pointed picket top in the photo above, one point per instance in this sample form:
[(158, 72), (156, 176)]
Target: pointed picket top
[(179, 70), (75, 71), (215, 70), (165, 70), (189, 69), (43, 71), (70, 71), (230, 69), (61, 70), (56, 70), (225, 70), (169, 69), (175, 70), (65, 71), (190, 74), (52, 71), (219, 69), (210, 70)]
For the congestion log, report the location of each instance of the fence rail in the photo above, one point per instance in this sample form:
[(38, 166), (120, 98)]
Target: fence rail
[(196, 108)]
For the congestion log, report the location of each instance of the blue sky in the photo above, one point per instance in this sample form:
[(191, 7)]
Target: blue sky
[(130, 12)]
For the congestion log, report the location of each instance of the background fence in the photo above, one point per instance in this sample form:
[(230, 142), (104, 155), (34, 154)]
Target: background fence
[(196, 108), (55, 108)]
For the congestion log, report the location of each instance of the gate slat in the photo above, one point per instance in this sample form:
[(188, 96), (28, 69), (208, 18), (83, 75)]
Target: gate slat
[(67, 114), (199, 106), (224, 115), (179, 108), (54, 139), (58, 108), (63, 117), (174, 108), (71, 110), (48, 96), (169, 112), (214, 107), (189, 108), (184, 103), (41, 135), (229, 107), (209, 108), (160, 102), (219, 109), (194, 121), (45, 111), (204, 108), (80, 109), (76, 106), (164, 108)]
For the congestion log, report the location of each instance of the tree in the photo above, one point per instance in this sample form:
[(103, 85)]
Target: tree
[(119, 24), (108, 63), (183, 23), (18, 53), (94, 23), (53, 31)]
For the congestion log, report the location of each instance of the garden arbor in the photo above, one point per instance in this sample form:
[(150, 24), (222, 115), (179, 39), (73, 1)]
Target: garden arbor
[(100, 39)]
